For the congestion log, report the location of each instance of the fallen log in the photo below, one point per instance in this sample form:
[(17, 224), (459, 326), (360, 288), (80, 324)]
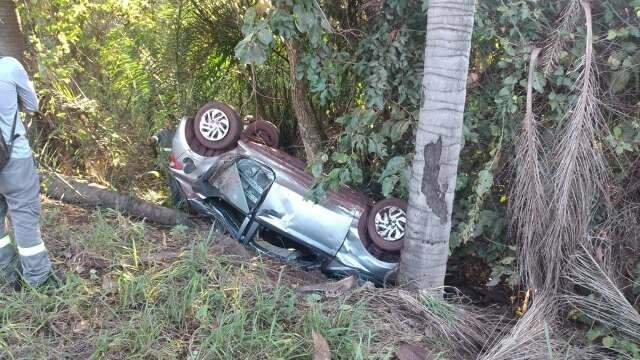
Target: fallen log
[(79, 192)]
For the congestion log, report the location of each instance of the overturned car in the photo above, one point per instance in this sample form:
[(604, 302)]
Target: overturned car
[(234, 173)]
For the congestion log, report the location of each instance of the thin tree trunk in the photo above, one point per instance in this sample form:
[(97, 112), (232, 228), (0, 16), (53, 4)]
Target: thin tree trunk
[(438, 142), (69, 190), (311, 130), (11, 40)]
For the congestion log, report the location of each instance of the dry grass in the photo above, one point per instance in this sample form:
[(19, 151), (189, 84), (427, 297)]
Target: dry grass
[(406, 316), (539, 335)]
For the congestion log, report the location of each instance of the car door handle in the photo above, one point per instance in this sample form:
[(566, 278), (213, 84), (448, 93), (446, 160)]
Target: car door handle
[(273, 213)]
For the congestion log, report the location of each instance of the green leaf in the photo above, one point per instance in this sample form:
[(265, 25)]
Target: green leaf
[(250, 15), (608, 341), (340, 158), (304, 19), (629, 347), (316, 169), (619, 80), (313, 298), (398, 129), (507, 260), (394, 166), (539, 81), (505, 91), (425, 5), (611, 34), (388, 184), (250, 52), (265, 36), (595, 332), (485, 181), (617, 132), (345, 176), (374, 147)]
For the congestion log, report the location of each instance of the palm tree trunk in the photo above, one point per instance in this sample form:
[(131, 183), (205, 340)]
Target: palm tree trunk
[(11, 40), (311, 130), (438, 143)]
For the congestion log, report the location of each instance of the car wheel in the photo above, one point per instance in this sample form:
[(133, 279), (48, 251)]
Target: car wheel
[(263, 132), (217, 126), (387, 224)]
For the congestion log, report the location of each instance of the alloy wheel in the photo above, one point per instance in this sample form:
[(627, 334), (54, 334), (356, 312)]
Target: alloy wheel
[(214, 125), (390, 223)]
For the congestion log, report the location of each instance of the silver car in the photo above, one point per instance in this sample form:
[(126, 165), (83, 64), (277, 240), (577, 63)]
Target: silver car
[(234, 173)]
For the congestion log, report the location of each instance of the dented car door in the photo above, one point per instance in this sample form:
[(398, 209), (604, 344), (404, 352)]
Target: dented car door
[(313, 224)]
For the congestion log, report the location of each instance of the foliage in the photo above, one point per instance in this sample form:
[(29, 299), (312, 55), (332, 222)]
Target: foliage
[(101, 67)]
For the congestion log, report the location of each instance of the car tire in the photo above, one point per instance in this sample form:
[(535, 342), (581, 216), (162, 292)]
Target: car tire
[(262, 132), (217, 126), (386, 224)]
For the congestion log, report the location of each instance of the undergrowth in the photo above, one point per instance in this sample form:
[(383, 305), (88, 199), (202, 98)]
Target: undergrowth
[(121, 297)]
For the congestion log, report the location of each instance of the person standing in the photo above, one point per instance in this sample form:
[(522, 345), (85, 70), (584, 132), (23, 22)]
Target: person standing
[(28, 260)]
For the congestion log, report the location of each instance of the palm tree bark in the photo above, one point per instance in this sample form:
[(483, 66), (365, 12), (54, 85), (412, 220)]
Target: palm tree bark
[(11, 40), (311, 130), (438, 142)]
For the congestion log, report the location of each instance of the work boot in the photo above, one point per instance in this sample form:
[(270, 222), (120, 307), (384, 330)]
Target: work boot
[(53, 282)]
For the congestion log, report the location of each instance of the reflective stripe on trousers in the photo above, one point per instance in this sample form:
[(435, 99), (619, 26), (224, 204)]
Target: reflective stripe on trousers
[(20, 198)]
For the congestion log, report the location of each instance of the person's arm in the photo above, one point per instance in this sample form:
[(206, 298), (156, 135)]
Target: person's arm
[(26, 92)]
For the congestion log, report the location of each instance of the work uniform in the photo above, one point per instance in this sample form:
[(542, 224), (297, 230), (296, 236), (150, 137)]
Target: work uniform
[(20, 183)]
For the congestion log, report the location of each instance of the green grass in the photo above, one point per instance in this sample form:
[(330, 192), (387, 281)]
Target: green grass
[(201, 305)]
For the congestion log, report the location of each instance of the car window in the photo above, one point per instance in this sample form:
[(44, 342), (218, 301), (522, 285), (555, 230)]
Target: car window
[(255, 178), (230, 186), (243, 183)]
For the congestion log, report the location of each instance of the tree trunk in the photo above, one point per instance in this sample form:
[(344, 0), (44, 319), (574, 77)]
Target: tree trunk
[(438, 142), (311, 130), (11, 40), (72, 191)]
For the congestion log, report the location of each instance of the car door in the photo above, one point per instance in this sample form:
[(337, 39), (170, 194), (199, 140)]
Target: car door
[(243, 183), (317, 225)]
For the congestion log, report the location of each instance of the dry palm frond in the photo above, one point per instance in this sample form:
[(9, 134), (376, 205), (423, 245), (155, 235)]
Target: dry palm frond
[(535, 336), (527, 202), (407, 315), (606, 304), (528, 337), (580, 171), (566, 23)]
